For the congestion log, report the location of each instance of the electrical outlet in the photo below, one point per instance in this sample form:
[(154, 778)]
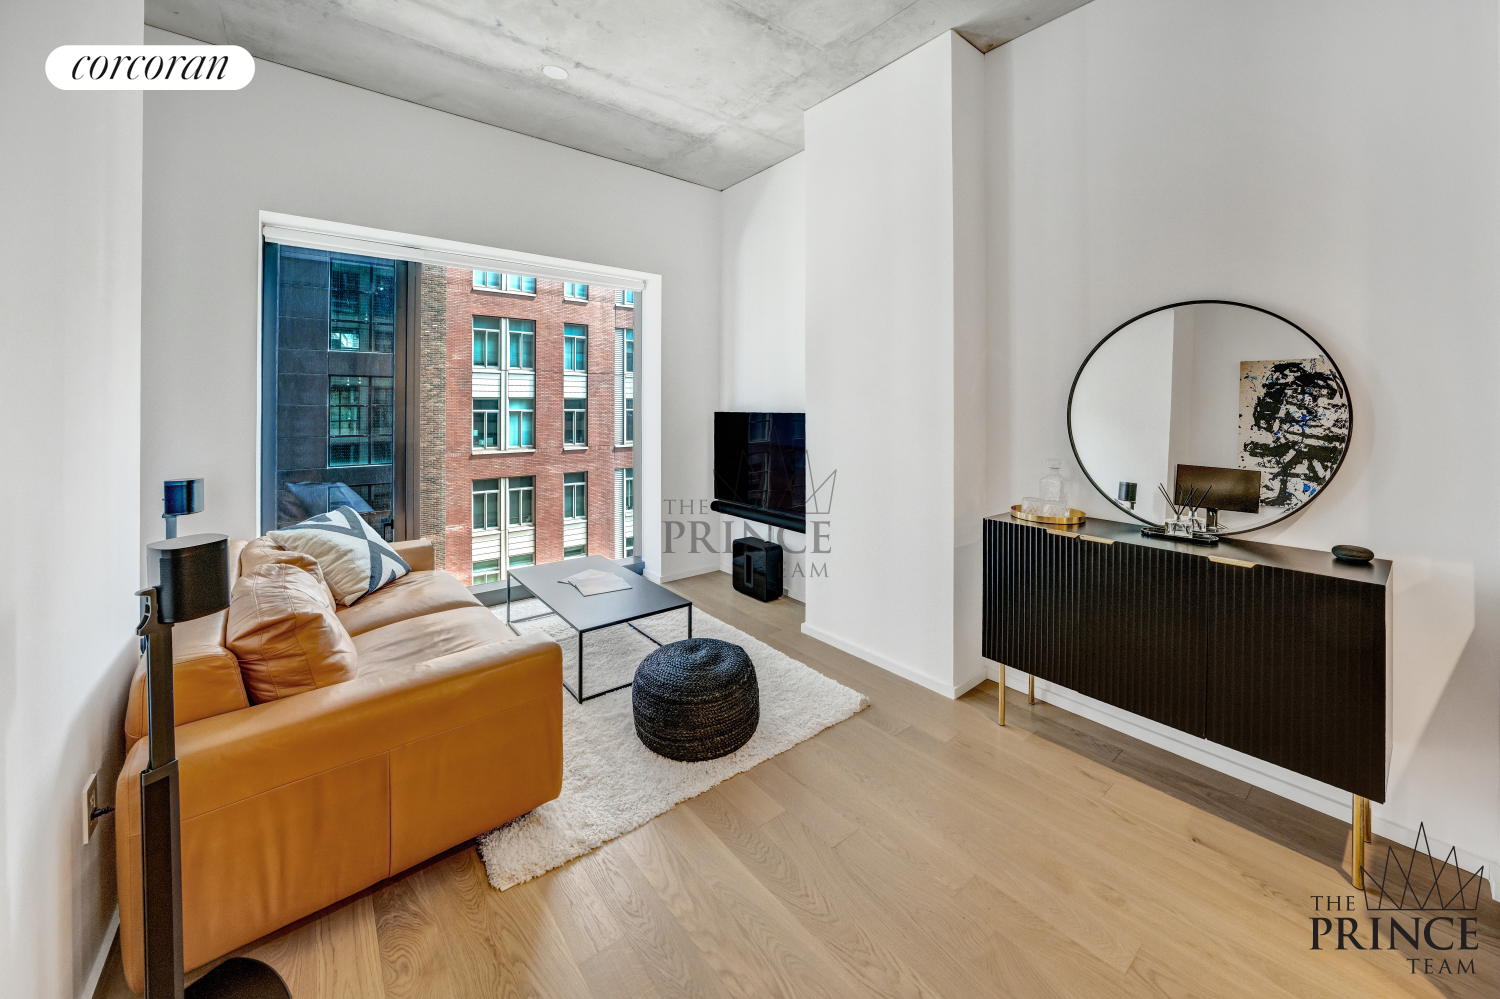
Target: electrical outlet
[(90, 802)]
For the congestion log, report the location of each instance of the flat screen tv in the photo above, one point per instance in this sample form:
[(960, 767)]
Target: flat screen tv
[(760, 468)]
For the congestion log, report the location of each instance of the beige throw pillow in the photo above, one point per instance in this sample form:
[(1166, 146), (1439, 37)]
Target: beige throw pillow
[(356, 561), (285, 633)]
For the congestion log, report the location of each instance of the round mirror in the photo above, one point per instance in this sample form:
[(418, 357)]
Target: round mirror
[(1217, 404)]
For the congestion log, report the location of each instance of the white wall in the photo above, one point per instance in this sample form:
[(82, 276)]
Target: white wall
[(763, 262), (894, 317), (70, 164), (303, 145), (1337, 163), (764, 308)]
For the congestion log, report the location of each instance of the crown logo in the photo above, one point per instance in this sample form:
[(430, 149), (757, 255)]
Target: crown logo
[(1395, 889), (818, 501)]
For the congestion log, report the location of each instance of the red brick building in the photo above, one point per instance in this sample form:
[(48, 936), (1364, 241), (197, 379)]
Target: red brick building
[(537, 430)]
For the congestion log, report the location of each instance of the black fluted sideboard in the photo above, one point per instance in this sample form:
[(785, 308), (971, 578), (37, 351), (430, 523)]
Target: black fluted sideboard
[(1280, 653)]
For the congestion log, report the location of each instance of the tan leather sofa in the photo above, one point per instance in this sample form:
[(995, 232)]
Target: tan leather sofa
[(452, 726)]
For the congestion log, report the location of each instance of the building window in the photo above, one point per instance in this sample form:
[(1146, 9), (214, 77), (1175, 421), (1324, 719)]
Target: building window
[(516, 284), (624, 387), (487, 505), (624, 512), (360, 420), (506, 503), (575, 347), (575, 514), (624, 298), (577, 292), (361, 306), (575, 423), (520, 503), (518, 336), (521, 426), (486, 342), (625, 342), (522, 343), (575, 495), (377, 494), (760, 427), (486, 424)]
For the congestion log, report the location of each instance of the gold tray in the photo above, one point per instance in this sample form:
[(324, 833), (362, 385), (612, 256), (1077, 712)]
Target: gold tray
[(1076, 517)]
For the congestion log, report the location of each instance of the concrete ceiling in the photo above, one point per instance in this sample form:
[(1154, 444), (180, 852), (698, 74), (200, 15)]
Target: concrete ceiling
[(709, 91)]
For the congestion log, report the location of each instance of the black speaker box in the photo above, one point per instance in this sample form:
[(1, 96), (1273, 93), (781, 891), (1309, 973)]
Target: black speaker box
[(192, 575), (757, 568)]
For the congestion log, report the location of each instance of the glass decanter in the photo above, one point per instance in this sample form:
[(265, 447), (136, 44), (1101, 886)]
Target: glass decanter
[(1054, 492)]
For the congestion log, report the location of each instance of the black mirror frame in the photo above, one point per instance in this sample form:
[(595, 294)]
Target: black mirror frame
[(1211, 301)]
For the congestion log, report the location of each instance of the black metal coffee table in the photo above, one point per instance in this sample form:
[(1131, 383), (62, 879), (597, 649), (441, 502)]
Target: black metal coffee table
[(602, 610)]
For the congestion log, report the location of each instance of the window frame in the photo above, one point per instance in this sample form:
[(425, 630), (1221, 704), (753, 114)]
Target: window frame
[(496, 411), (576, 422), (498, 334), (367, 418), (525, 496), (524, 426), (516, 340), (571, 343), (573, 297), (572, 493), (491, 496)]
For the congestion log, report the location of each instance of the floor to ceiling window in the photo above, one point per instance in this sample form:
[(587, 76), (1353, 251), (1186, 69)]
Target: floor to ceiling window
[(492, 412)]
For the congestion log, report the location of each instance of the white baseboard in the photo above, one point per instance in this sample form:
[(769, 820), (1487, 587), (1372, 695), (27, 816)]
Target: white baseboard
[(889, 665), (91, 984), (667, 577), (1314, 794)]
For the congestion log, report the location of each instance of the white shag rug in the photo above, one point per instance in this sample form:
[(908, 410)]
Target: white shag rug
[(613, 784)]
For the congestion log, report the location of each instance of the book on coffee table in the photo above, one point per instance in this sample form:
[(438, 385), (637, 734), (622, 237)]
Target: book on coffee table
[(591, 581)]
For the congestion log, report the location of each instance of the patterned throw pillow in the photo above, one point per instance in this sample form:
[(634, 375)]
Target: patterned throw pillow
[(355, 560)]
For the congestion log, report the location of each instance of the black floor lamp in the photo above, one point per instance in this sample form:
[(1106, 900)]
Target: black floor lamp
[(189, 579)]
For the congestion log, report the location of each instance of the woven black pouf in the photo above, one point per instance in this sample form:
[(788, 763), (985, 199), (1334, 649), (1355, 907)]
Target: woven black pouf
[(696, 700)]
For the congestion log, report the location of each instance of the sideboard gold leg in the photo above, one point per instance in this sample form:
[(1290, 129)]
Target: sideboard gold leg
[(1357, 871), (1369, 833), (1002, 693), (1030, 688)]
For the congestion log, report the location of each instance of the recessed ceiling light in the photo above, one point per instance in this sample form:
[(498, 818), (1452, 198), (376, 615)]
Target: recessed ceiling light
[(555, 72)]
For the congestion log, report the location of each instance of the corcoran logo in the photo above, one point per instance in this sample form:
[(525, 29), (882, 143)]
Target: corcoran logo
[(150, 67), (1408, 887)]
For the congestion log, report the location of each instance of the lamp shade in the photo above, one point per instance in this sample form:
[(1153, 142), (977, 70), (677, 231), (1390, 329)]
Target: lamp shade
[(191, 575)]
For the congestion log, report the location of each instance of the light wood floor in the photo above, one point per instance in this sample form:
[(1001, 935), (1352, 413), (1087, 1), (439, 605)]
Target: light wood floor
[(915, 850)]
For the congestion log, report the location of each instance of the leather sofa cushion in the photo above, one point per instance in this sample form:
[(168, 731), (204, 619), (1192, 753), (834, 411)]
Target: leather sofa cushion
[(285, 633), (205, 677), (417, 553), (410, 596), (419, 639), (264, 551)]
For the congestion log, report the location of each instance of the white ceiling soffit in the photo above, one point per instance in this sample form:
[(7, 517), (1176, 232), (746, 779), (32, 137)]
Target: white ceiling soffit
[(709, 91)]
